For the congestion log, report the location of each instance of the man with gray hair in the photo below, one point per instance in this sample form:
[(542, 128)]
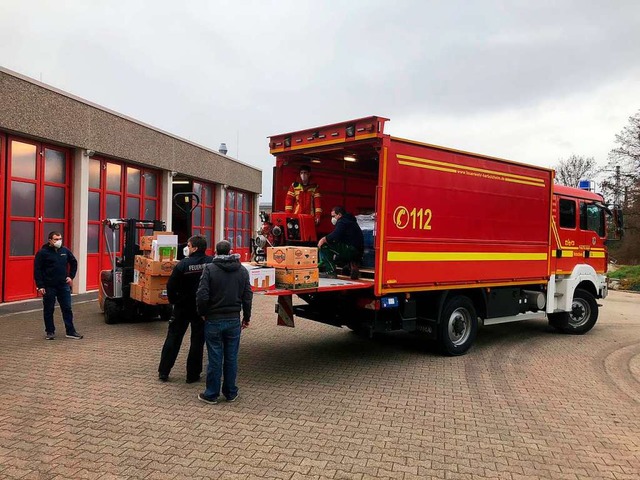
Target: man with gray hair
[(224, 292)]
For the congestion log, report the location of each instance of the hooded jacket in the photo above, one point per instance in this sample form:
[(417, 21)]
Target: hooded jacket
[(347, 231), (224, 289), (53, 265), (185, 278)]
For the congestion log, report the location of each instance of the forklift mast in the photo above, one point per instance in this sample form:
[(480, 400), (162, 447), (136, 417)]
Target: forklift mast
[(130, 247)]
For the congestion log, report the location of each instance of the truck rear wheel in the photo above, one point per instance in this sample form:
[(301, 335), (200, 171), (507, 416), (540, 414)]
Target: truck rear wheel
[(458, 326), (582, 317)]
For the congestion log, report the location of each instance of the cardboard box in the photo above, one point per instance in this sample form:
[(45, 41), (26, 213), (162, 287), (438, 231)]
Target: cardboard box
[(146, 240), (139, 263), (151, 267), (261, 278), (297, 279), (165, 247), (136, 291), (151, 282), (154, 296), (292, 257)]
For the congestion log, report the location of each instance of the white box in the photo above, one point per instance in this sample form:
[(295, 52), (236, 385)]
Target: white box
[(164, 248), (261, 278)]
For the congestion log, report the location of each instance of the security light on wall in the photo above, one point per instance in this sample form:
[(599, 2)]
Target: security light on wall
[(90, 153)]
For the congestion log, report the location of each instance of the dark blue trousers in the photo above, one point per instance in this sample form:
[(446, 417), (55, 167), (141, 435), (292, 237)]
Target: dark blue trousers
[(63, 294)]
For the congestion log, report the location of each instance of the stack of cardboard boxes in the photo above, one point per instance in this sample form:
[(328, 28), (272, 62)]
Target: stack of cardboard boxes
[(296, 267), (152, 269)]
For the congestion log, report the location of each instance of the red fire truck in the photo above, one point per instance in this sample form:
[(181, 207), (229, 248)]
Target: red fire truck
[(456, 239)]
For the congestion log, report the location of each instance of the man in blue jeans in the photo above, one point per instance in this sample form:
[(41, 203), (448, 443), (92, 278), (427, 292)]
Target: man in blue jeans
[(54, 270), (224, 292)]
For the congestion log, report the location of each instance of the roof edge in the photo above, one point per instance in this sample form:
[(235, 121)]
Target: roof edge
[(120, 115)]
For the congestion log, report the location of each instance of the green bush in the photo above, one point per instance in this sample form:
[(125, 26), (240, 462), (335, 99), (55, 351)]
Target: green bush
[(629, 276)]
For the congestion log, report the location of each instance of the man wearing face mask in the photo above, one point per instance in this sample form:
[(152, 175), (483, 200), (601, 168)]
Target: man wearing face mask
[(181, 291), (344, 245), (53, 271)]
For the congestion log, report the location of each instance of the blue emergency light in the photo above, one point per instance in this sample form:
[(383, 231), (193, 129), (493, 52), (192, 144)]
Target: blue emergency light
[(587, 185)]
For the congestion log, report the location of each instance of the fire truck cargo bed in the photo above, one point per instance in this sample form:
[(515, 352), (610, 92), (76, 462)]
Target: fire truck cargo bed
[(325, 285)]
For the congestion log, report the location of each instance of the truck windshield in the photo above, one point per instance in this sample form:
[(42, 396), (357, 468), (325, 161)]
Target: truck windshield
[(592, 218)]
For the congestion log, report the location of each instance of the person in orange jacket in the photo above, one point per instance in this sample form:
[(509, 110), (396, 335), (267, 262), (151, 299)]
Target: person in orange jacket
[(304, 197)]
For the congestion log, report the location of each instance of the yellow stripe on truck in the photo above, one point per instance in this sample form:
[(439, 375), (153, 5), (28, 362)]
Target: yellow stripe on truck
[(463, 256)]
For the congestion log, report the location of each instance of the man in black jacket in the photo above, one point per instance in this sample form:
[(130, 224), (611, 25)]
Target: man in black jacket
[(223, 292), (181, 291), (344, 245), (54, 270)]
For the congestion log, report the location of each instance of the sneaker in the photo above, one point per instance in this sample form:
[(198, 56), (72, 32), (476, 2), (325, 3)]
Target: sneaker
[(210, 400), (74, 335), (50, 336), (232, 399), (163, 377)]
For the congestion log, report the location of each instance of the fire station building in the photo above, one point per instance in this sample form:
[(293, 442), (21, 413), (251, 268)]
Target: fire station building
[(66, 164)]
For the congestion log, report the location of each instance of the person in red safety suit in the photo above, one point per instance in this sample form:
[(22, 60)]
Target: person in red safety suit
[(304, 197)]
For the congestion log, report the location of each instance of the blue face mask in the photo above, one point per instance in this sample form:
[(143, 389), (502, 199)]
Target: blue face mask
[(185, 250), (334, 220)]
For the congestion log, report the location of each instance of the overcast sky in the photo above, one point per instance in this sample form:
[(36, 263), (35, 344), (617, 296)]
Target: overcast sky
[(533, 81)]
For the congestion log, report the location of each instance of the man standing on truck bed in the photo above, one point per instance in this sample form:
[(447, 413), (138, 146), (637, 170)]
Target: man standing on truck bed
[(344, 245), (181, 290), (304, 197)]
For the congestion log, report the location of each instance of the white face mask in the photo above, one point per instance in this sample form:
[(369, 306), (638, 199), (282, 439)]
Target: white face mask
[(185, 250), (334, 220), (57, 243)]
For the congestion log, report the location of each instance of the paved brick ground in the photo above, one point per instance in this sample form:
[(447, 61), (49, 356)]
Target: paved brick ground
[(321, 402)]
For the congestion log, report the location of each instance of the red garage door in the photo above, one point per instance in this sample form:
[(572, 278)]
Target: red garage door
[(203, 217), (38, 202), (3, 147), (237, 225), (116, 190)]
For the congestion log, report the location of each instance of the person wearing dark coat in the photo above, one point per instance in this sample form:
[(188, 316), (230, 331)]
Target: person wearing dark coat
[(344, 245), (54, 269), (224, 292), (181, 291)]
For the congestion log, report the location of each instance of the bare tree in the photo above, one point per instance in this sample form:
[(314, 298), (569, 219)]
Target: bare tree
[(573, 169), (622, 186)]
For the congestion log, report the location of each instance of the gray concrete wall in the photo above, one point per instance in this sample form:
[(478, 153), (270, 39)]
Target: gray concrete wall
[(31, 108)]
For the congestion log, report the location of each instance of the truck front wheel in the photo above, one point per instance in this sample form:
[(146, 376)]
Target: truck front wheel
[(582, 317), (458, 326)]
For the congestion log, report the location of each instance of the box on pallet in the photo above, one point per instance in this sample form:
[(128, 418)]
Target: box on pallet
[(151, 282), (154, 296), (292, 257), (145, 240), (151, 267), (297, 278), (165, 247), (135, 291), (261, 278)]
